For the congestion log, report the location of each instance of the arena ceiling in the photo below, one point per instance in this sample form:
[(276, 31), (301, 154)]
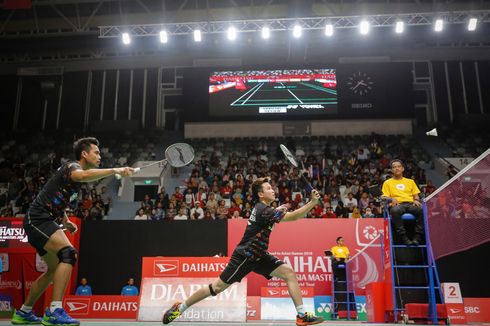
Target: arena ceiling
[(50, 30)]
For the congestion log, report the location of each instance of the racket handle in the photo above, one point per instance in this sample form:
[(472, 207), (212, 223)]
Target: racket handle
[(118, 176)]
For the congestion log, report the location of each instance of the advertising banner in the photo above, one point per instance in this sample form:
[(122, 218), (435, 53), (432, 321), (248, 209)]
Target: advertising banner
[(13, 237), (101, 306), (282, 292), (306, 253), (454, 303), (324, 307), (183, 266), (282, 308), (477, 310), (159, 294), (253, 308), (11, 279)]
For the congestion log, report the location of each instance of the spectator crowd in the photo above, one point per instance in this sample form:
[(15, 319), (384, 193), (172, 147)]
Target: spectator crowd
[(219, 186)]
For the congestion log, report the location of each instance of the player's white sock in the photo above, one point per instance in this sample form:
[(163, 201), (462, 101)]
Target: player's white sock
[(301, 310), (55, 305), (26, 309), (182, 307)]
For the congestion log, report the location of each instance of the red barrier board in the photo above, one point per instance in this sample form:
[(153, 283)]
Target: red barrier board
[(301, 245), (253, 308), (375, 302), (477, 310), (102, 306), (455, 312), (183, 266)]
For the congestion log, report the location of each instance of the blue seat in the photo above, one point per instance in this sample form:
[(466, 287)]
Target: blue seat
[(408, 217)]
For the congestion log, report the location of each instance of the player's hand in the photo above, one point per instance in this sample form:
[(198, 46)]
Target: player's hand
[(283, 208), (124, 171), (70, 226), (315, 196), (417, 203), (394, 202)]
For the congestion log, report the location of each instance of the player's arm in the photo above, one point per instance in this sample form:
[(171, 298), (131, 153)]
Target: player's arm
[(96, 174), (301, 212)]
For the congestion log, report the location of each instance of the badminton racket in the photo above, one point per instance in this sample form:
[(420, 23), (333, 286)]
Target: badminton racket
[(177, 155), (292, 160)]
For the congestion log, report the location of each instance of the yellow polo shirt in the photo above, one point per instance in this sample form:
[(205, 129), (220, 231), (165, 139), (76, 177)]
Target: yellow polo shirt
[(402, 190), (340, 252)]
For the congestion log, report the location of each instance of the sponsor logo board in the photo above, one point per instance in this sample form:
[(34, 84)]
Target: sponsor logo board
[(282, 292), (281, 308), (456, 313), (324, 307), (159, 294), (477, 310), (253, 308), (183, 266), (102, 306), (306, 255)]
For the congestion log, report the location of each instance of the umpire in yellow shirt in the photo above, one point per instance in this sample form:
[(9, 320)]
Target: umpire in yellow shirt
[(340, 255), (404, 196)]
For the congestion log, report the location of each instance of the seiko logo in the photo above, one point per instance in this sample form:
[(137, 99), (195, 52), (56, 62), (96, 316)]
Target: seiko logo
[(166, 267)]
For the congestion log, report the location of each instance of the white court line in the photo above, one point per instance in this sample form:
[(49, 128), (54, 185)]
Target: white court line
[(261, 84), (295, 97), (244, 94)]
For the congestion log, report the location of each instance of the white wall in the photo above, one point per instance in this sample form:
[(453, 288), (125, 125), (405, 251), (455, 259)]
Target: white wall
[(318, 128)]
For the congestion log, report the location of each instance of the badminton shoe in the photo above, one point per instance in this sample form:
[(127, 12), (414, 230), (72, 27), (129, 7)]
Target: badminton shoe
[(172, 313), (308, 319), (58, 317), (25, 318)]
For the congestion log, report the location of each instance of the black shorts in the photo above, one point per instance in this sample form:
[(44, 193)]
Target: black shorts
[(239, 266), (39, 229)]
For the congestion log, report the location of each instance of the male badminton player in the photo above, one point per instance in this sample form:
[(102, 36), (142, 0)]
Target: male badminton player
[(47, 236), (251, 254)]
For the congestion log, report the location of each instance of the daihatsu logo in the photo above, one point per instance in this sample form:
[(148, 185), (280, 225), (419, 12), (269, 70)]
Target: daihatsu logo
[(76, 306), (273, 292), (166, 267), (163, 268)]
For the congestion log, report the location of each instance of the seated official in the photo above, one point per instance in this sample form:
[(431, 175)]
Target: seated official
[(83, 288), (340, 254), (130, 289), (404, 196)]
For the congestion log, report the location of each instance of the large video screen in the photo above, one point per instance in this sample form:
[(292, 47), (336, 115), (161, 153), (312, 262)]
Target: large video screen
[(273, 92)]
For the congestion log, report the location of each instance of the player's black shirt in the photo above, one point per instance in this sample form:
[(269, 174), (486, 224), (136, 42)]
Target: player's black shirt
[(59, 193), (255, 241)]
